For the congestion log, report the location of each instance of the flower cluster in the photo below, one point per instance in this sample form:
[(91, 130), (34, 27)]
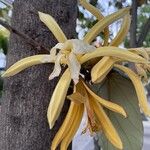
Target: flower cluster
[(74, 53)]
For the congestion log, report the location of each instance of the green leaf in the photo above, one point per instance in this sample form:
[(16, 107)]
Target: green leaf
[(120, 90)]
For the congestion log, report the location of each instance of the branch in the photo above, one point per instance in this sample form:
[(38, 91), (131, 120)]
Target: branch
[(144, 31), (25, 37), (133, 27), (7, 3)]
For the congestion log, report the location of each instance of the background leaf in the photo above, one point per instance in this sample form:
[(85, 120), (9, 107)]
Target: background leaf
[(120, 90), (3, 43)]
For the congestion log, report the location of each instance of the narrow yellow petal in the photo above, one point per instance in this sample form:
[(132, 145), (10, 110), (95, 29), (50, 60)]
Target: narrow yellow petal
[(115, 52), (138, 87), (141, 51), (101, 69), (27, 62), (100, 25), (65, 127), (107, 126), (141, 72), (58, 98), (106, 36), (73, 129), (147, 50), (111, 106), (96, 12), (122, 32), (53, 27)]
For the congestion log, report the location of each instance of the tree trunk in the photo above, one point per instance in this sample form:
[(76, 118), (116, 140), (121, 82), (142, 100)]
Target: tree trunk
[(23, 120), (133, 27)]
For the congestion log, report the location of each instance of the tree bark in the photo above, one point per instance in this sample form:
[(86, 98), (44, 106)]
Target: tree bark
[(23, 119)]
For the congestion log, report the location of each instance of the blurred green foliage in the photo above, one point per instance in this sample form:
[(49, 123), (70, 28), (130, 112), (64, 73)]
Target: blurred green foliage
[(142, 18), (3, 43), (86, 20), (4, 15)]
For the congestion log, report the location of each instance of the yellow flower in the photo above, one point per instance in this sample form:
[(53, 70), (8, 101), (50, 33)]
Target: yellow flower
[(142, 69), (69, 51), (74, 53), (69, 127), (84, 98)]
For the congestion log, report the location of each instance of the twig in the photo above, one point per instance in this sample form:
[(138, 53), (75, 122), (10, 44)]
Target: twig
[(133, 27), (23, 36), (7, 3)]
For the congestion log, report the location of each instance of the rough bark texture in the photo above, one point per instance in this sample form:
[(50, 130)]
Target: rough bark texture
[(23, 124)]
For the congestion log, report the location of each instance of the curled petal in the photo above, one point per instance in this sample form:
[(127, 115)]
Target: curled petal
[(53, 51), (57, 68), (141, 72), (138, 87), (59, 46), (141, 51)]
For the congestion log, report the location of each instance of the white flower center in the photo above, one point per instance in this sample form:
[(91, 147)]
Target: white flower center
[(69, 51)]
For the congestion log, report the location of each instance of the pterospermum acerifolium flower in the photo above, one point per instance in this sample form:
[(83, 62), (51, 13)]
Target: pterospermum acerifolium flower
[(75, 54)]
